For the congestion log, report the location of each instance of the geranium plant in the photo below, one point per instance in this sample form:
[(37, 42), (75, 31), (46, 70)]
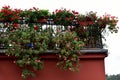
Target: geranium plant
[(68, 44), (26, 44), (64, 17), (35, 15), (24, 36), (89, 27), (9, 15)]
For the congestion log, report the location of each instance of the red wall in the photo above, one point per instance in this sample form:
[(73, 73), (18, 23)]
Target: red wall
[(91, 68)]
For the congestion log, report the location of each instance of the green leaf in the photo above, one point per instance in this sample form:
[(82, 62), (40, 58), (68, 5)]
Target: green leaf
[(20, 63), (26, 73)]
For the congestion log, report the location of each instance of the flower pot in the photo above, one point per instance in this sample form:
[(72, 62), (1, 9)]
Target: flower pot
[(42, 20), (91, 67)]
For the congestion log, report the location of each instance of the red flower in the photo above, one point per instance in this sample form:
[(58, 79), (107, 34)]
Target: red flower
[(36, 27), (103, 26), (80, 30), (6, 7), (53, 12), (59, 11), (56, 10), (12, 19), (90, 22), (74, 12), (30, 9), (88, 18), (83, 23), (15, 25)]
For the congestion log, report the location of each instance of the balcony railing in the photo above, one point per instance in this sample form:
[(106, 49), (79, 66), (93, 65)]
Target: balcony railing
[(91, 35)]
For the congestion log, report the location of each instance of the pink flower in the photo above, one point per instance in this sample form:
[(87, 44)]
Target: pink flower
[(14, 61), (65, 59), (28, 62), (37, 61), (70, 68), (113, 17)]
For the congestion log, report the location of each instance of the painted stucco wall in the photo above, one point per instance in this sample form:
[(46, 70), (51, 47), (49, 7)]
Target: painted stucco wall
[(91, 68)]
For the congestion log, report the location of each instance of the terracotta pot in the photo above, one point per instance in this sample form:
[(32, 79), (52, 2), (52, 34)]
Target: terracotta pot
[(42, 20)]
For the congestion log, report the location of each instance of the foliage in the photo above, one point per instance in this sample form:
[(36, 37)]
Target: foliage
[(113, 77), (35, 15), (69, 44), (63, 17), (26, 44), (8, 14), (70, 33), (91, 19), (89, 27)]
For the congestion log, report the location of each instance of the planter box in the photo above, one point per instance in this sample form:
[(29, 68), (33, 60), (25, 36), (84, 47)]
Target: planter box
[(91, 68)]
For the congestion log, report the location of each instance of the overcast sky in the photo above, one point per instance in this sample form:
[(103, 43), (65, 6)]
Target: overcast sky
[(112, 62)]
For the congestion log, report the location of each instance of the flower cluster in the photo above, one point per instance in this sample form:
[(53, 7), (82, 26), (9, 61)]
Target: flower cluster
[(60, 17), (91, 25), (28, 33), (8, 14), (91, 19), (64, 17), (26, 44), (35, 15), (69, 45)]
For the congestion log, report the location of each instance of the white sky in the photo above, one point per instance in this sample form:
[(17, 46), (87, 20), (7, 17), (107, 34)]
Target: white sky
[(112, 64)]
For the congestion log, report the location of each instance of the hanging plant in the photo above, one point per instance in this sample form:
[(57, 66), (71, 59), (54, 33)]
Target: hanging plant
[(68, 44), (26, 44)]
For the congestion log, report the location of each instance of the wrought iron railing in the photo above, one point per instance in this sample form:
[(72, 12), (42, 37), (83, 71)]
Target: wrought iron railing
[(91, 36)]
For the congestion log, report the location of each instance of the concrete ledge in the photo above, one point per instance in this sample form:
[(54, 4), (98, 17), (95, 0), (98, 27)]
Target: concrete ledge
[(94, 50), (85, 50)]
